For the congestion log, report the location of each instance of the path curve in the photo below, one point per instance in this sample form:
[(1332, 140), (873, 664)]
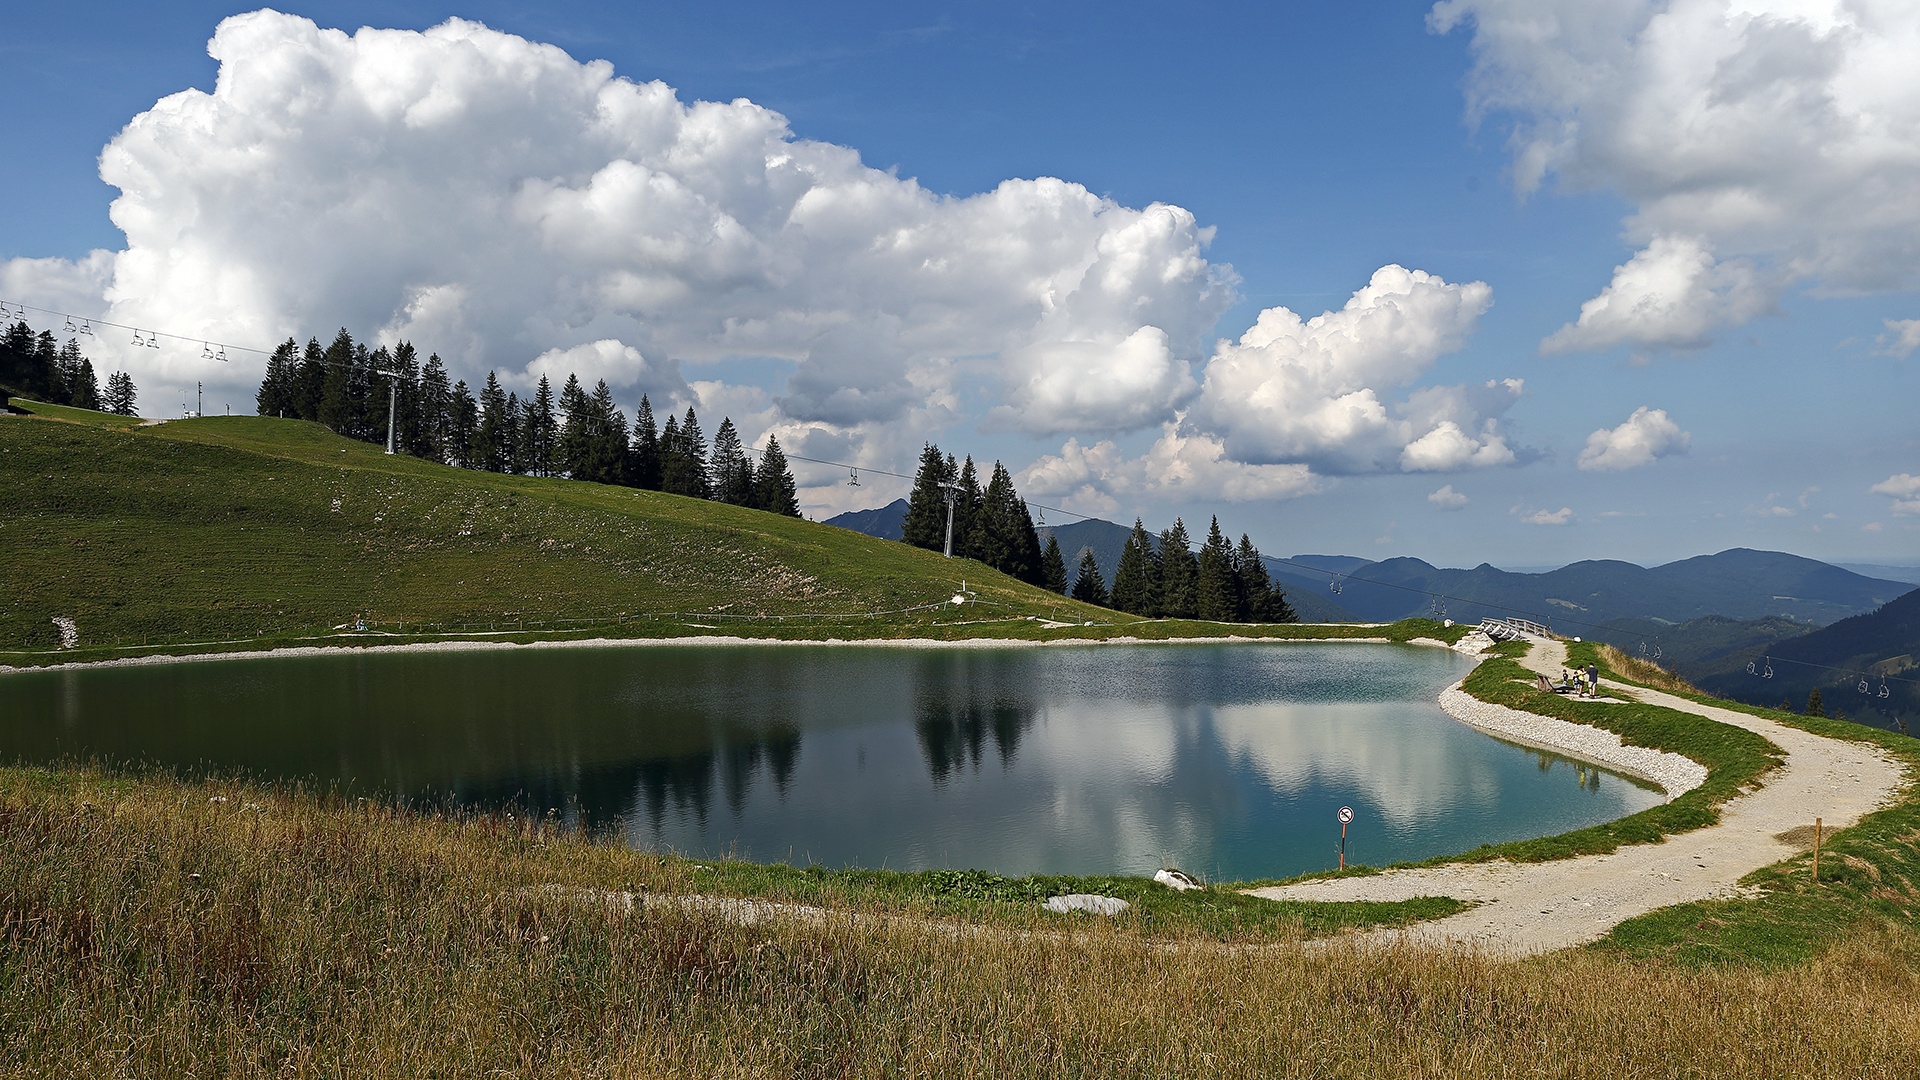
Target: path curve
[(1531, 908)]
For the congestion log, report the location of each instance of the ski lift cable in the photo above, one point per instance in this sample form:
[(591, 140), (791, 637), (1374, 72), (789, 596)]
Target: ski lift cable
[(19, 310)]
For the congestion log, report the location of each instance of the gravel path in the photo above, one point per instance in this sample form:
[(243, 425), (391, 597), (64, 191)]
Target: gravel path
[(1530, 908)]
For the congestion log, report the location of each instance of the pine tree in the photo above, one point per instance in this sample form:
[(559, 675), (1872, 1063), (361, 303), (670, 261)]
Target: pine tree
[(966, 508), (436, 402), (1266, 602), (1177, 582), (1002, 533), (373, 388), (1133, 578), (121, 394), (463, 417), (603, 445), (336, 391), (773, 488), (1217, 587), (540, 430), (513, 450), (46, 354), (732, 472), (926, 521), (1088, 587), (684, 471), (83, 388), (643, 456), (1053, 568), (489, 437), (275, 394), (1814, 705), (409, 420), (310, 382), (573, 437)]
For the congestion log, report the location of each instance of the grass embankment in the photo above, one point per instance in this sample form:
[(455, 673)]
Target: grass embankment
[(1869, 872), (230, 533), (152, 930)]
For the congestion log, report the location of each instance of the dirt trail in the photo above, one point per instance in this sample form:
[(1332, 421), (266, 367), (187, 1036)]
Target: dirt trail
[(1529, 908)]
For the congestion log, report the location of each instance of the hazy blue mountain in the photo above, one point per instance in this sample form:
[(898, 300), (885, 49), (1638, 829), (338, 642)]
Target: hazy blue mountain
[(885, 522), (1908, 574), (1739, 584), (1879, 648)]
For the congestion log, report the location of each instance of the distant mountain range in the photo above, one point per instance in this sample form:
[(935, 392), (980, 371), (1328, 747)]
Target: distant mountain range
[(1880, 648), (1739, 584)]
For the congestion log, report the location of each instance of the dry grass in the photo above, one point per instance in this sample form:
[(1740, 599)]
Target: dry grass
[(1645, 672), (148, 931)]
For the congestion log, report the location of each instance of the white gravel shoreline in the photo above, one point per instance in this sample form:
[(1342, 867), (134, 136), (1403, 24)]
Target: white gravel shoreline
[(1675, 774), (479, 645)]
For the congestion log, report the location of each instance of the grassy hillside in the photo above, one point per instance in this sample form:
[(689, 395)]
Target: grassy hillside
[(225, 531)]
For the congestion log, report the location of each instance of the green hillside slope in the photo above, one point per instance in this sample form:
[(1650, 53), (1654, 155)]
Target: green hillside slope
[(237, 527)]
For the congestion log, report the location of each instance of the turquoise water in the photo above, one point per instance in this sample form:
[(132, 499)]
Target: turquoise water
[(1225, 760)]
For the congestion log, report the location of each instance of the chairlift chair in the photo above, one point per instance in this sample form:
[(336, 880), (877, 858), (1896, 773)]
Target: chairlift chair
[(853, 477), (86, 328), (71, 329)]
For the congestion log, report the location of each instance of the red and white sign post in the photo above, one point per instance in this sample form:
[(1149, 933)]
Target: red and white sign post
[(1346, 817)]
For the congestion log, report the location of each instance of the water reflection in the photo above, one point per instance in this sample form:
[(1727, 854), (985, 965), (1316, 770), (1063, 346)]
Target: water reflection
[(1225, 760)]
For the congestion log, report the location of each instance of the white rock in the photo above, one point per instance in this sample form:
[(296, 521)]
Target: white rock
[(1091, 903), (1175, 880)]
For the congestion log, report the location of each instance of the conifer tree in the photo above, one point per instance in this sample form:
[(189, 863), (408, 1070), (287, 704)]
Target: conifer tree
[(310, 383), (436, 399), (1217, 586), (733, 474), (684, 470), (1133, 578), (574, 408), (926, 521), (46, 353), (541, 429), (603, 444), (643, 455), (408, 420), (1176, 583), (966, 508), (336, 405), (1815, 707), (1053, 568), (463, 417), (120, 394), (276, 388), (773, 486), (490, 435), (1088, 586), (86, 388), (1002, 533), (1266, 602), (513, 449)]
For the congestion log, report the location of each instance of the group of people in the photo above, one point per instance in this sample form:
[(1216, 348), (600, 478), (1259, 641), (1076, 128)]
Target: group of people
[(1584, 683)]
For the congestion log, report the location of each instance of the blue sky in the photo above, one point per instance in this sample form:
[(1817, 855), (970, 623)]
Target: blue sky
[(1319, 143)]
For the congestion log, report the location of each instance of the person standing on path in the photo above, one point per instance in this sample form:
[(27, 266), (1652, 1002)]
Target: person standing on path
[(1593, 680)]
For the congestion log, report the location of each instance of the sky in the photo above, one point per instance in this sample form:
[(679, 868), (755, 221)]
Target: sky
[(1481, 281)]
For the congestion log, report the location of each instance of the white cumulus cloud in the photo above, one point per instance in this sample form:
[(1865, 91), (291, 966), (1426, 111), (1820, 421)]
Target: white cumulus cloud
[(1562, 516), (1777, 133), (1904, 489), (1647, 436), (1317, 390), (1099, 477), (1671, 295), (1901, 338), (1447, 498), (498, 201)]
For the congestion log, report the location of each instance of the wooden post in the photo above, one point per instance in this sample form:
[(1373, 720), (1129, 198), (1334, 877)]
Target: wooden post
[(1816, 849)]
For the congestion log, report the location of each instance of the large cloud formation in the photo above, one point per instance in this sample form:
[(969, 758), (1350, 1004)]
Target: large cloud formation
[(495, 200), (1780, 135), (1297, 398)]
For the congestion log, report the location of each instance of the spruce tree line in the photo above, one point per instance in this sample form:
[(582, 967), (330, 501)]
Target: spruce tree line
[(1161, 578), (990, 523), (38, 366), (1164, 578), (576, 433)]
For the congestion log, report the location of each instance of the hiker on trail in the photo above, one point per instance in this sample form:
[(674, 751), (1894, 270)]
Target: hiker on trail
[(1593, 680)]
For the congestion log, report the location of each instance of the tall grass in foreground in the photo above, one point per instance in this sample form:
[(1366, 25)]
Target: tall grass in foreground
[(146, 929), (1644, 672)]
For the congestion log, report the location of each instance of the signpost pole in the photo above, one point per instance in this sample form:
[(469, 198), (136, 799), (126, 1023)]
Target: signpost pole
[(1345, 815)]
